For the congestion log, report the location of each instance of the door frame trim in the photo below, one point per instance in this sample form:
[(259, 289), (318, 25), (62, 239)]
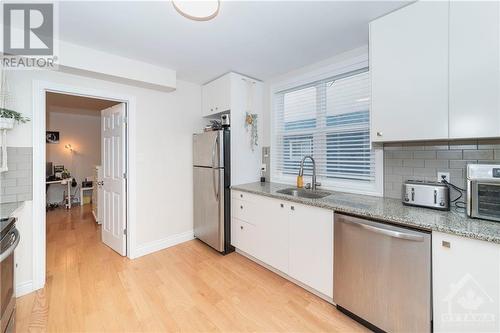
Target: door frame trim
[(40, 88)]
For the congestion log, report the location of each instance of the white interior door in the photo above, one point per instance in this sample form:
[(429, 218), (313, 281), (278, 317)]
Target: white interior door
[(113, 178)]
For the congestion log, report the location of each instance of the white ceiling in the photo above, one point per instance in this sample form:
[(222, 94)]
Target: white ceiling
[(257, 38), (63, 103)]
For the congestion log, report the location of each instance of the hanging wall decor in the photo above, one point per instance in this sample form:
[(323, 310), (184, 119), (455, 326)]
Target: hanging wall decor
[(8, 118), (251, 125), (251, 118), (52, 137)]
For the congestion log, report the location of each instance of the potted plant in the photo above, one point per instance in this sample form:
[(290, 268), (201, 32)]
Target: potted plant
[(9, 117)]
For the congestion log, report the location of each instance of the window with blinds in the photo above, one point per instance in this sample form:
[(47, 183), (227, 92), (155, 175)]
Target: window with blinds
[(330, 120)]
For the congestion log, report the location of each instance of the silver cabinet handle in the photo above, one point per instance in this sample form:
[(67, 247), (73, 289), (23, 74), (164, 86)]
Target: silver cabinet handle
[(241, 207), (281, 205), (241, 227), (380, 134), (387, 232), (241, 195), (292, 207)]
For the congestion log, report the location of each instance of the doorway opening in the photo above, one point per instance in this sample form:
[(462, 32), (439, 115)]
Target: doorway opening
[(85, 172)]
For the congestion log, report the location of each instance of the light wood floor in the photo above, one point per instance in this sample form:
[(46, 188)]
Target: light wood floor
[(187, 288)]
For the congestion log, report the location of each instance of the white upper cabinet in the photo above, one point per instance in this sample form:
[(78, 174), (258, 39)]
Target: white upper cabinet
[(435, 69), (216, 96), (474, 69), (237, 95), (409, 72)]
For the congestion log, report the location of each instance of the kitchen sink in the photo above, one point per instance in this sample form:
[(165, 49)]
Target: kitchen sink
[(303, 193)]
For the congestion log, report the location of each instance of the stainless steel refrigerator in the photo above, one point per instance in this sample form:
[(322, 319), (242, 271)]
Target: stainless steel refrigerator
[(212, 196)]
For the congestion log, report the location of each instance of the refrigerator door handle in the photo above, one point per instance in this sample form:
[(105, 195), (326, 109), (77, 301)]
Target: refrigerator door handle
[(214, 147)]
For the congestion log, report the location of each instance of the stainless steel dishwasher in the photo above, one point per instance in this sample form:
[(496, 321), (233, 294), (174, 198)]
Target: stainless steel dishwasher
[(382, 274)]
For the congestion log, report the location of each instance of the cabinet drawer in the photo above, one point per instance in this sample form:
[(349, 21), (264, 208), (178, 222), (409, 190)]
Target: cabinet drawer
[(244, 196), (244, 236), (245, 210)]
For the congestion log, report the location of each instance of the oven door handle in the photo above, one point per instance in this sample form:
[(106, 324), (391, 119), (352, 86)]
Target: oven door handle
[(14, 242)]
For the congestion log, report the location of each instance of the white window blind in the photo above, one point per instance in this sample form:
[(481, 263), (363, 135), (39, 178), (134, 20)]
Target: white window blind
[(330, 120)]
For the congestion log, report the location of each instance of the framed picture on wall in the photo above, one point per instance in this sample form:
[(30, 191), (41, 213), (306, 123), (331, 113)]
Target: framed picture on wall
[(52, 137)]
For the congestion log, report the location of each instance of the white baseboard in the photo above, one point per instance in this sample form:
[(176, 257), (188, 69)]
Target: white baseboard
[(24, 288), (162, 244)]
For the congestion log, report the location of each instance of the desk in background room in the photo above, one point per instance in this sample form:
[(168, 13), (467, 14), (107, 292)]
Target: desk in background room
[(66, 182)]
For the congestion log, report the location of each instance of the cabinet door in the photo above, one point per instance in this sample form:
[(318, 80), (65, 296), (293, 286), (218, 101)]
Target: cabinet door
[(216, 96), (207, 93), (244, 237), (409, 73), (466, 284), (311, 247), (474, 69), (273, 233), (222, 94)]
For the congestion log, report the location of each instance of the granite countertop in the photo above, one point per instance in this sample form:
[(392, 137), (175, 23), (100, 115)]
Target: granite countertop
[(390, 210)]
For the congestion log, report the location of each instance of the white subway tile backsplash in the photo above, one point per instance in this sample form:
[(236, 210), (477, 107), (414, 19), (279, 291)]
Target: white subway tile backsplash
[(479, 154), (427, 158), (16, 184), (414, 163), (424, 154), (449, 155), (437, 164)]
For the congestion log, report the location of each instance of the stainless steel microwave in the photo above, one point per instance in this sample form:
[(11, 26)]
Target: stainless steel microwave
[(483, 191)]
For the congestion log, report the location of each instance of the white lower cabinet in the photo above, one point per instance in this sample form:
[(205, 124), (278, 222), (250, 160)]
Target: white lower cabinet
[(273, 233), (292, 238), (311, 247), (466, 284)]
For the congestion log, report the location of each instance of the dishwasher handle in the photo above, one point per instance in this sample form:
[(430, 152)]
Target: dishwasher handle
[(386, 232)]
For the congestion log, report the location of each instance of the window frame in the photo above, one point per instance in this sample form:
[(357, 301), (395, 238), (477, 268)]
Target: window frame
[(337, 69)]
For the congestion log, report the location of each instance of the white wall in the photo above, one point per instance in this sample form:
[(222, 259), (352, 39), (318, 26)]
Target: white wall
[(81, 129), (164, 127)]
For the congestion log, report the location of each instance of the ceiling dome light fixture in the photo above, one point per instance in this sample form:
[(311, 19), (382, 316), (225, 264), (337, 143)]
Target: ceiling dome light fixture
[(197, 10)]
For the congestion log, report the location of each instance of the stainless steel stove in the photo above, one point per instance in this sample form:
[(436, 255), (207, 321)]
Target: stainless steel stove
[(9, 239)]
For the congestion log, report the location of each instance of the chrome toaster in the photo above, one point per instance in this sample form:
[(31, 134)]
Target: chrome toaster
[(434, 195)]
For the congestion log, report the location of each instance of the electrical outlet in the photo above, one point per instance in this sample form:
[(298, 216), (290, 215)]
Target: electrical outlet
[(445, 175)]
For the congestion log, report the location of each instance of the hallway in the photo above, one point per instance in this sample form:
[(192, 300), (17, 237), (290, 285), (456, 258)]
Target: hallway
[(188, 287)]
